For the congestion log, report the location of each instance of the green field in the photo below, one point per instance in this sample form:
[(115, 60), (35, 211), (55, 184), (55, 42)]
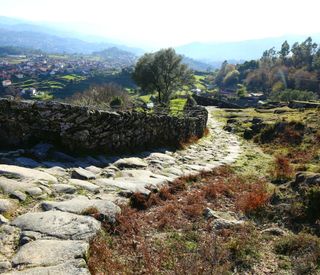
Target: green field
[(200, 81), (177, 105)]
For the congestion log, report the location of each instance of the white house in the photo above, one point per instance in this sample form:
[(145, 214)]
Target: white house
[(29, 92), (196, 91), (6, 83)]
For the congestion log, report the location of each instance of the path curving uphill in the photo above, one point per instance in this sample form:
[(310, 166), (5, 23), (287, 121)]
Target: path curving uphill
[(51, 196)]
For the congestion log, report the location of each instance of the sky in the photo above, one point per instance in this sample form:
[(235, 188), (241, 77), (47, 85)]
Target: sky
[(163, 23)]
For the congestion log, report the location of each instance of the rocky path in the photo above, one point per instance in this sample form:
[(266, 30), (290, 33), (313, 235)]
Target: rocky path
[(45, 195)]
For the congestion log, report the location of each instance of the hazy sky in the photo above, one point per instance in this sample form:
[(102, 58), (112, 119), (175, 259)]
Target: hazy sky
[(160, 23)]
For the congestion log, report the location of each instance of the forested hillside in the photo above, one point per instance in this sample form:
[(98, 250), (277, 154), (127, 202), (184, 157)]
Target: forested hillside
[(295, 67)]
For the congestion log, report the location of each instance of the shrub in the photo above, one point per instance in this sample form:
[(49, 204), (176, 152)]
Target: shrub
[(116, 102), (304, 251), (289, 95), (139, 201), (178, 185), (312, 203), (194, 205), (282, 169), (213, 190), (167, 216), (253, 200), (207, 132), (102, 96), (165, 193), (183, 144), (102, 257), (290, 133), (244, 247)]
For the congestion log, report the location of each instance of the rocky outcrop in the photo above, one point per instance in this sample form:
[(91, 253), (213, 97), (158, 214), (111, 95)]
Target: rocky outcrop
[(83, 129)]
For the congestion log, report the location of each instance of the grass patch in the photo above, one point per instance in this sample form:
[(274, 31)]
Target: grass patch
[(177, 106)]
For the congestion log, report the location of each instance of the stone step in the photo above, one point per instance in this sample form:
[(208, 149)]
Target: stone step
[(57, 224)]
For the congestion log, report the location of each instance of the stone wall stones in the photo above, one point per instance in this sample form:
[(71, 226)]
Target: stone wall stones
[(209, 101), (81, 129)]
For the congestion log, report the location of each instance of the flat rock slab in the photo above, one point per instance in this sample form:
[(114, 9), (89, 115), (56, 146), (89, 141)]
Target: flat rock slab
[(222, 220), (164, 158), (175, 171), (94, 169), (77, 267), (64, 188), (141, 175), (19, 195), (78, 205), (83, 174), (56, 171), (8, 186), (129, 185), (49, 252), (130, 163), (59, 224), (34, 191), (85, 185), (26, 173)]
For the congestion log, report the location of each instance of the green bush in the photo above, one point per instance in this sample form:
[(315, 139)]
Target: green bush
[(289, 95), (312, 204), (245, 248), (116, 102), (284, 132), (303, 250)]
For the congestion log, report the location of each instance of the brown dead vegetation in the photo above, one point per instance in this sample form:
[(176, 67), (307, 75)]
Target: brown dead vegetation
[(166, 232)]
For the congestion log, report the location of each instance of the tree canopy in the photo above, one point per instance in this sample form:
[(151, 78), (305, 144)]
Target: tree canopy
[(163, 72), (293, 68)]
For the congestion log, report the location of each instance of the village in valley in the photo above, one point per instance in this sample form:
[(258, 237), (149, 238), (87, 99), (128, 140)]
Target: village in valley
[(42, 75)]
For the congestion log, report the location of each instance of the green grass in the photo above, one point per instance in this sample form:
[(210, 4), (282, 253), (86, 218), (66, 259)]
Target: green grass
[(72, 77), (177, 106), (200, 79), (267, 115), (183, 93), (146, 98), (43, 96)]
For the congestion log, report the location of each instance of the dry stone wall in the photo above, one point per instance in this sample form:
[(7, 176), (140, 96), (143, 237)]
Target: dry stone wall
[(81, 129)]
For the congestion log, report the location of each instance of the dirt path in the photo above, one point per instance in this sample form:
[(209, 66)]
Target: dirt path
[(51, 196)]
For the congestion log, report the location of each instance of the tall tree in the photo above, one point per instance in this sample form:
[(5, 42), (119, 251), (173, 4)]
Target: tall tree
[(316, 61), (268, 58), (302, 54), (163, 72), (285, 50)]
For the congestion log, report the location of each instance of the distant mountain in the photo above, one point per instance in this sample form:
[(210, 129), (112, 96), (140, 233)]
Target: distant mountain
[(4, 51), (243, 50), (196, 64), (45, 42), (117, 55), (52, 38)]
